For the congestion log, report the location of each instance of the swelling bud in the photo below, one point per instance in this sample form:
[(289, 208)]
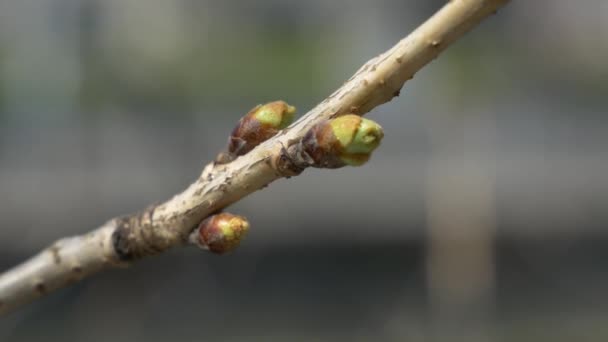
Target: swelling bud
[(221, 233), (345, 140), (259, 125)]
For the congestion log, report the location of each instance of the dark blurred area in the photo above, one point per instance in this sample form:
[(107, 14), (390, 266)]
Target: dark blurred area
[(482, 216)]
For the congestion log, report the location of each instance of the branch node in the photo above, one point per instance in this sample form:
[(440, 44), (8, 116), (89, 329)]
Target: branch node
[(290, 161), (121, 242), (40, 287)]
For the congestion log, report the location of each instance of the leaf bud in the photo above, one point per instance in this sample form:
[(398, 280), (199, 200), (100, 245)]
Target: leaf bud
[(345, 140), (260, 124), (221, 233)]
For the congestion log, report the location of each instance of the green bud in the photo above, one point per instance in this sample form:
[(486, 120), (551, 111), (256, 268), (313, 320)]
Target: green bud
[(346, 140), (222, 233), (277, 115), (358, 137), (259, 125)]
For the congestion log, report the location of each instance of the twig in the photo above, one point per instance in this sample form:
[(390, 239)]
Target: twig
[(123, 240)]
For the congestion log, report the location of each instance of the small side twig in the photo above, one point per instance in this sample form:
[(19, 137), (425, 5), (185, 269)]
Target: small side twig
[(123, 240)]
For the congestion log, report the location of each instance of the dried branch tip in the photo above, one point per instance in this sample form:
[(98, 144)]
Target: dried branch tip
[(346, 140), (221, 233), (259, 125)]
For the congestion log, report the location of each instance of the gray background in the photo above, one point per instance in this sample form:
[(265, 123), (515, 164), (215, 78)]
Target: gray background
[(481, 217)]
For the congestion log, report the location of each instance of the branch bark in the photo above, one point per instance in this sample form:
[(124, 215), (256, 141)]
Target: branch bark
[(123, 240)]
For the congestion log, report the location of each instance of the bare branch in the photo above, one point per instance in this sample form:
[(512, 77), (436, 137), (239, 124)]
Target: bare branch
[(158, 228)]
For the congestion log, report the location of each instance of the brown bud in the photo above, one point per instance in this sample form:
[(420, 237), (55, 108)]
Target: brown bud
[(259, 125), (346, 140), (221, 233)]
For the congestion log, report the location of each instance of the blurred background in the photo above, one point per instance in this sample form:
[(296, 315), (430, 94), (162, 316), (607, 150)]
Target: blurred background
[(482, 217)]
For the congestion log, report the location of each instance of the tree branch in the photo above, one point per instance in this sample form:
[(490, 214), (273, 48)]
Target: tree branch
[(123, 240)]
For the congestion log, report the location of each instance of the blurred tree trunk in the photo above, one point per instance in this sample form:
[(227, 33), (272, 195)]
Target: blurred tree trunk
[(461, 221)]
